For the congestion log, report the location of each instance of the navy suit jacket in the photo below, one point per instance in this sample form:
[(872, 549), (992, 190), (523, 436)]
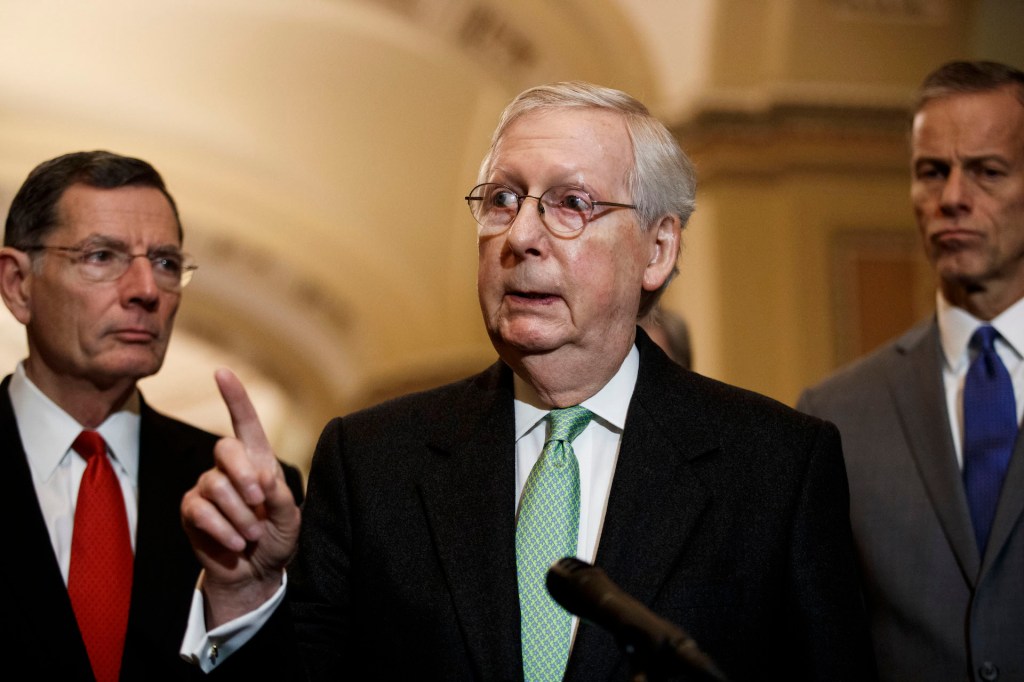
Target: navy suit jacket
[(727, 515), (39, 627)]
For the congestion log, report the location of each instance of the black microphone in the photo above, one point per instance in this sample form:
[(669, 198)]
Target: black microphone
[(649, 640)]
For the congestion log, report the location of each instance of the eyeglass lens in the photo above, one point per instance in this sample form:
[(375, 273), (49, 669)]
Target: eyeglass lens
[(172, 270), (562, 208)]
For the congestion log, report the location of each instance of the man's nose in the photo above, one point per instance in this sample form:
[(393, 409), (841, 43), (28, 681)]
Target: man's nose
[(956, 192), (528, 226), (138, 283)]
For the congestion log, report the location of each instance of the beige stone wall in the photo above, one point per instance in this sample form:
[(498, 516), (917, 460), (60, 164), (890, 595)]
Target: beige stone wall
[(319, 150)]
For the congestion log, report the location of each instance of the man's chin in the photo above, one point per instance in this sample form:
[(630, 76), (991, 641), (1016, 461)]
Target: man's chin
[(132, 366), (961, 271), (529, 341)]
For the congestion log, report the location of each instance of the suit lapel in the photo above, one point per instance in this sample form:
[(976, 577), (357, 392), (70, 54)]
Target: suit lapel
[(157, 553), (918, 392), (646, 527), (38, 611), (469, 497), (1010, 508), (172, 456)]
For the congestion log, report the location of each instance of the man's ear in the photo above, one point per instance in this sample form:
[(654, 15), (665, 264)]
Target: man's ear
[(15, 282), (664, 252)]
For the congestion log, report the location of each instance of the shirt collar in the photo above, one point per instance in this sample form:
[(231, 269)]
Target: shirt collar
[(956, 326), (47, 431), (610, 404)]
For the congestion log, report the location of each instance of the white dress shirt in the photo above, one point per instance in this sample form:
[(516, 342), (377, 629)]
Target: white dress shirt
[(596, 449), (47, 433), (956, 326)]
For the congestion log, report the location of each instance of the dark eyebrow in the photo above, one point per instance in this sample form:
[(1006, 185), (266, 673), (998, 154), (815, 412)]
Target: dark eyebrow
[(107, 242), (987, 158), (967, 161), (99, 240), (166, 250)]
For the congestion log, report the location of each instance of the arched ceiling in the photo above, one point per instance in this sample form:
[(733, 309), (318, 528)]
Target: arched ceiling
[(319, 150)]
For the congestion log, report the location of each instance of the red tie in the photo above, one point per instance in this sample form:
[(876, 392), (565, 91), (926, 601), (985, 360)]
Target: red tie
[(100, 577)]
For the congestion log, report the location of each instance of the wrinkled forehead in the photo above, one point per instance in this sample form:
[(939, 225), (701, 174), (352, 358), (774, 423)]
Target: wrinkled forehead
[(970, 123), (132, 214), (564, 145)]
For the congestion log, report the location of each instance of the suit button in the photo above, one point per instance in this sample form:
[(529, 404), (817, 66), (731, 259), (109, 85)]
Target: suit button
[(988, 671)]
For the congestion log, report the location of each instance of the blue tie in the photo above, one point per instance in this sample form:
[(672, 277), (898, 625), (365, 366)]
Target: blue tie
[(990, 429)]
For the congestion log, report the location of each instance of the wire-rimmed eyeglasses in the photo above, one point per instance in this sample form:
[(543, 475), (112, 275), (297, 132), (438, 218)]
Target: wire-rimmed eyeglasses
[(564, 209), (172, 270)]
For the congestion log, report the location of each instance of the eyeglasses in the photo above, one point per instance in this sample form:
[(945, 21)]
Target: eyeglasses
[(564, 209), (172, 270)]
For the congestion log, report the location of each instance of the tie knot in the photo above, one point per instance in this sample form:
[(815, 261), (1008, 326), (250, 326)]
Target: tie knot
[(89, 443), (984, 338), (568, 422)]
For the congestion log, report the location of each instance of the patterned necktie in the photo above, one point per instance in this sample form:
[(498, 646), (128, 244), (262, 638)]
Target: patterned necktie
[(990, 430), (100, 577), (548, 529)]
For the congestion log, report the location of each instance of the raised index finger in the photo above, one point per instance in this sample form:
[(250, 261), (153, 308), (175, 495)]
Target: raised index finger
[(244, 420)]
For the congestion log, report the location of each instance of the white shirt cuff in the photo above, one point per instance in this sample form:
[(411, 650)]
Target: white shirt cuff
[(210, 649)]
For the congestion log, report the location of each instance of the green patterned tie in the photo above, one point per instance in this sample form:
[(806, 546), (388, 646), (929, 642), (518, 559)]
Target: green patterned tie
[(548, 528)]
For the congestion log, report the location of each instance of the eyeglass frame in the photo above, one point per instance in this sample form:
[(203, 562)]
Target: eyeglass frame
[(520, 198), (188, 266)]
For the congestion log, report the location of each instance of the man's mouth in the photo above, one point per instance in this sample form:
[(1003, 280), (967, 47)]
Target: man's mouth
[(135, 334), (952, 236), (531, 299)]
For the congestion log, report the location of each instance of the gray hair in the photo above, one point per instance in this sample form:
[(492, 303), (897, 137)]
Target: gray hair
[(963, 77), (662, 180)]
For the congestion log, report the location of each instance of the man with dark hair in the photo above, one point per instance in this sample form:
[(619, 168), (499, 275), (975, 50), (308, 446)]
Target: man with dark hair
[(671, 332), (98, 572), (433, 519), (929, 422)]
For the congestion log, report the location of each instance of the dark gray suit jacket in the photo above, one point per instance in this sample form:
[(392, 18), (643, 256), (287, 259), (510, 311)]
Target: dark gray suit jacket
[(40, 633), (727, 515), (938, 611)]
